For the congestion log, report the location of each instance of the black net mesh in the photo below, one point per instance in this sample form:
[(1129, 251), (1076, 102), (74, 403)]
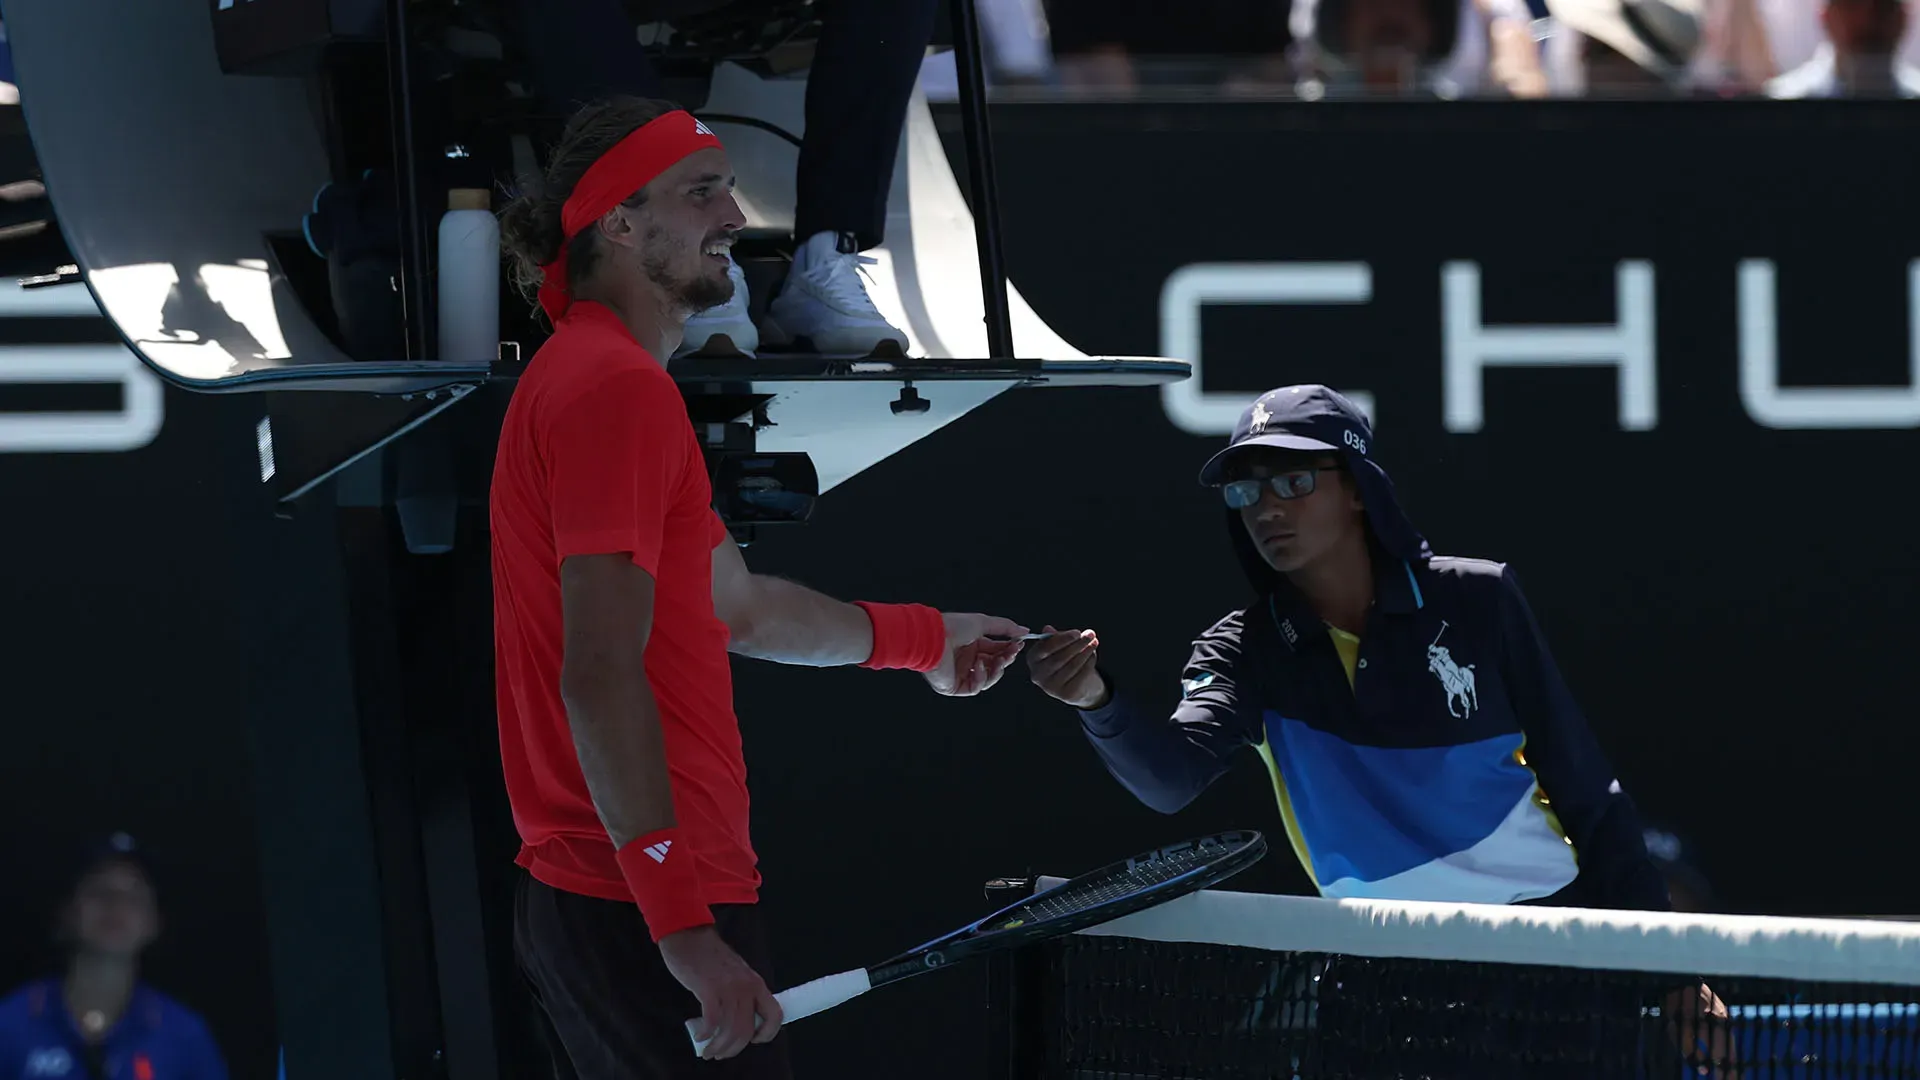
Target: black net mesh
[(1118, 1008)]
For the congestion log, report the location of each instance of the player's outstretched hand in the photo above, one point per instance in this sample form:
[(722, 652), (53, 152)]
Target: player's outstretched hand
[(1065, 664), (736, 1008), (979, 650)]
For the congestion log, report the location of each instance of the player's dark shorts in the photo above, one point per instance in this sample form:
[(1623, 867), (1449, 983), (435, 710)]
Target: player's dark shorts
[(606, 1003)]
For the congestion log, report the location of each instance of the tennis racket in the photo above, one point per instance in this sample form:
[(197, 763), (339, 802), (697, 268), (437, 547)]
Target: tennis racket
[(1093, 898)]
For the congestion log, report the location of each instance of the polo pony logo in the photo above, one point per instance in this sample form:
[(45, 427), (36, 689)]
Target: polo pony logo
[(1261, 418), (1457, 680)]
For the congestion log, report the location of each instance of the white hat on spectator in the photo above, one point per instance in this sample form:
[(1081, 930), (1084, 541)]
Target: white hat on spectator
[(1659, 35)]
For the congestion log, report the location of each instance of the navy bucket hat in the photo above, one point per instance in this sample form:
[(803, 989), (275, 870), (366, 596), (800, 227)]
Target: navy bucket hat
[(1316, 418)]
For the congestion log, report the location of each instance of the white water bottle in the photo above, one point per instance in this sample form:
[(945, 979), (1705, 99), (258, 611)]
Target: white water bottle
[(469, 279)]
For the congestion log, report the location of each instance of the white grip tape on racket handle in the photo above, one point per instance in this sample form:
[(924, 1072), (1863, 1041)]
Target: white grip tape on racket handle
[(804, 1000)]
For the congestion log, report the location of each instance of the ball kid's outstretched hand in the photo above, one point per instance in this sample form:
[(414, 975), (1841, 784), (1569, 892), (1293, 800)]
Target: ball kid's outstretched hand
[(1065, 665)]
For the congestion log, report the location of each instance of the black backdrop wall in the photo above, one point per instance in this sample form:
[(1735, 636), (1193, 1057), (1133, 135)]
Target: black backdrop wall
[(1722, 562)]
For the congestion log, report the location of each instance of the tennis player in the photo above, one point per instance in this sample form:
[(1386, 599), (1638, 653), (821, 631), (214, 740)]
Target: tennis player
[(1420, 739), (617, 597)]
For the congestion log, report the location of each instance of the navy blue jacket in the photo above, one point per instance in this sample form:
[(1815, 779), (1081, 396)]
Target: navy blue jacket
[(157, 1039), (1455, 767)]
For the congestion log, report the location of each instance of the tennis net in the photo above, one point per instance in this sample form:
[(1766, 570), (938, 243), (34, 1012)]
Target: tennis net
[(1225, 985)]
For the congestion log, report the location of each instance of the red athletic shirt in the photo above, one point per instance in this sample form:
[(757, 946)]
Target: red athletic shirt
[(597, 456)]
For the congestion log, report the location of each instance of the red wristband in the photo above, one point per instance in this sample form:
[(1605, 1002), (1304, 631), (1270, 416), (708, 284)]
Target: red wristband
[(660, 873), (910, 636)]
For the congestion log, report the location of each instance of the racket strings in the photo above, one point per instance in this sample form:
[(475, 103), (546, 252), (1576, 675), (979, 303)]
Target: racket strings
[(1136, 877)]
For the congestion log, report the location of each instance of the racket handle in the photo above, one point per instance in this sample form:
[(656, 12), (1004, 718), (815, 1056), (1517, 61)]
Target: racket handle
[(806, 999)]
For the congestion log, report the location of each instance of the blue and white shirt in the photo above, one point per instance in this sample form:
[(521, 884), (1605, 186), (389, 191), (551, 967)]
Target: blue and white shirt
[(1446, 759)]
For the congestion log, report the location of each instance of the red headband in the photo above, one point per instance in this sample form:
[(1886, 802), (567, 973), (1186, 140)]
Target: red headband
[(634, 161)]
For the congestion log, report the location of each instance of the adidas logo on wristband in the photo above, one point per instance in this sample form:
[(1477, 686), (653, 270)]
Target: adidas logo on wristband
[(658, 851)]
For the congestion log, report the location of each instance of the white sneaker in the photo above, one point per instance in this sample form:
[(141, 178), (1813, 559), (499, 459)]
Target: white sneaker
[(726, 330), (825, 303)]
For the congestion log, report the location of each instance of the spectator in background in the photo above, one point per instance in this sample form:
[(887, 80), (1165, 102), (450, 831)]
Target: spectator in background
[(1016, 43), (1500, 51), (1372, 48), (1595, 48), (1517, 61), (1795, 33), (1633, 48), (1859, 59), (1736, 51), (1108, 47), (98, 1021)]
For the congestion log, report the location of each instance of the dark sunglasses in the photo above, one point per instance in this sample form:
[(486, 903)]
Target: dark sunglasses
[(1292, 484)]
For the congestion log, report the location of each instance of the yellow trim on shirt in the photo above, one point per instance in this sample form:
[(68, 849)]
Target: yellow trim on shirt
[(1286, 813), (1349, 648), (1540, 800)]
